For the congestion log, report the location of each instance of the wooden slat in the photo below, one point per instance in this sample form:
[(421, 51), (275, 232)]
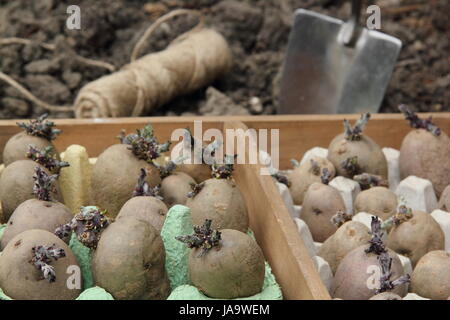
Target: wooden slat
[(298, 133), (276, 233)]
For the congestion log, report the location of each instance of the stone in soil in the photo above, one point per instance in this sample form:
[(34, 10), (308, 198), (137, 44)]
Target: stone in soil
[(218, 104), (17, 107)]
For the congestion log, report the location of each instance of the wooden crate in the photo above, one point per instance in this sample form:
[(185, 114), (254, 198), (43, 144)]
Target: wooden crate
[(275, 231)]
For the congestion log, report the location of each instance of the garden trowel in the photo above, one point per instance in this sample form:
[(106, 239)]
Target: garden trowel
[(332, 66)]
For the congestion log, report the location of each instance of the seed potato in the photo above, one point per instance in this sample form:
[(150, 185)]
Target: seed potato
[(221, 201), (129, 261), (305, 175), (417, 236), (21, 280), (431, 276), (35, 214), (378, 201), (349, 236), (321, 203), (16, 186), (233, 269), (114, 177)]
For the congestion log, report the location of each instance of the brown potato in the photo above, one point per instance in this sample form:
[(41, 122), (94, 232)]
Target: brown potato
[(149, 209), (305, 175), (21, 280), (349, 236), (234, 269), (354, 273), (425, 155), (35, 214), (129, 261), (431, 276), (444, 201), (321, 203), (17, 147), (221, 201), (199, 172), (417, 236), (175, 187), (379, 201), (370, 158), (114, 177), (16, 186)]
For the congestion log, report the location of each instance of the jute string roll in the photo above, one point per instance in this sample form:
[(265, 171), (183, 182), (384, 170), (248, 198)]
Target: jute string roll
[(190, 62)]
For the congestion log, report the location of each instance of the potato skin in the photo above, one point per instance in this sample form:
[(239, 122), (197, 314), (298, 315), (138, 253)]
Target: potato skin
[(221, 201), (148, 209), (234, 269), (302, 177), (17, 147), (16, 186), (379, 201), (431, 276), (349, 236), (321, 203), (174, 188), (352, 275), (371, 158), (20, 280), (129, 261), (35, 214), (417, 236), (426, 156), (115, 175), (444, 201), (199, 172)]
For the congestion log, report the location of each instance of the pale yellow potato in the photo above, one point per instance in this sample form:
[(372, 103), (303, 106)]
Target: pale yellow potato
[(75, 180)]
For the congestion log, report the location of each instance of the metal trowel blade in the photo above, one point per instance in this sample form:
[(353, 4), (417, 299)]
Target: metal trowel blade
[(322, 75)]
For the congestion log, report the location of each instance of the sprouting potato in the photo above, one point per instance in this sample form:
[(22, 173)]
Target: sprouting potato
[(36, 265), (305, 175), (38, 133), (425, 152), (415, 233), (219, 199), (353, 153), (349, 236), (115, 171), (16, 186), (370, 269), (145, 204), (226, 264)]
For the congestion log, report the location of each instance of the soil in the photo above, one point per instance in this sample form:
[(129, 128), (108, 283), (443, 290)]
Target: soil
[(257, 31)]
